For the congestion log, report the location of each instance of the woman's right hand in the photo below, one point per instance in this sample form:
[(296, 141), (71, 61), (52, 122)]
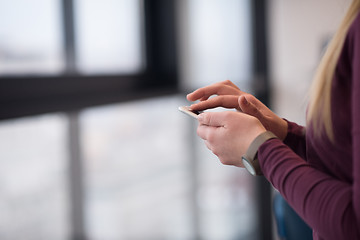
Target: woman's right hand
[(228, 95)]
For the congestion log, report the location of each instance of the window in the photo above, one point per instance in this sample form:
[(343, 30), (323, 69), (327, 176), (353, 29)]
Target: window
[(70, 54), (30, 37), (108, 36), (48, 65), (125, 169)]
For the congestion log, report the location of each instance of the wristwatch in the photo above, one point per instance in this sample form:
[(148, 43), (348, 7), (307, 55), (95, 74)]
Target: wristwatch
[(250, 159)]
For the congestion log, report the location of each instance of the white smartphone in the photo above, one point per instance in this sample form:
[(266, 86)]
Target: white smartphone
[(188, 111)]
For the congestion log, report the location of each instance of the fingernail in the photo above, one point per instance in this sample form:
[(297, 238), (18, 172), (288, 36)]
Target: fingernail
[(200, 117), (245, 100)]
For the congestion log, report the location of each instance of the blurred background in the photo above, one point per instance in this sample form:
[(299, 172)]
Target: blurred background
[(92, 145)]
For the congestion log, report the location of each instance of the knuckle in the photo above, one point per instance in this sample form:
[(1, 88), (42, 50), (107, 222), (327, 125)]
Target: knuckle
[(206, 118), (227, 82), (215, 151), (198, 131), (224, 161)]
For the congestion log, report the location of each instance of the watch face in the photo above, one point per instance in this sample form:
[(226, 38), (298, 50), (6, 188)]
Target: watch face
[(248, 166)]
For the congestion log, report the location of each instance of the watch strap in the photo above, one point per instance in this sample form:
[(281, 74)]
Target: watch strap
[(251, 153)]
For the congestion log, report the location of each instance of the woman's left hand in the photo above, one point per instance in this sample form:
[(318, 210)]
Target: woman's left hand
[(228, 134)]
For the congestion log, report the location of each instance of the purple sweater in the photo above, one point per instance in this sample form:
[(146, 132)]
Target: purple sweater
[(321, 180)]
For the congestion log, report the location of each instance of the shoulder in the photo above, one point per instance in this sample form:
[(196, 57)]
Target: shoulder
[(356, 23), (351, 46), (354, 30)]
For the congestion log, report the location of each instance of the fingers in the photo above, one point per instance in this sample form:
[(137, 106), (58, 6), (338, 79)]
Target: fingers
[(222, 88), (255, 102), (209, 129), (246, 104), (213, 119), (212, 124), (228, 134), (226, 101), (206, 132), (230, 83)]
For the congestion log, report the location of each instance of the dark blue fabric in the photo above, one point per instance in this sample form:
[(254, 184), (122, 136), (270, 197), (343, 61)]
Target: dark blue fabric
[(289, 225)]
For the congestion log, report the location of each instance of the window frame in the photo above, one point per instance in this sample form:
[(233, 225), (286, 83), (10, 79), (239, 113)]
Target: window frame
[(261, 86), (70, 91)]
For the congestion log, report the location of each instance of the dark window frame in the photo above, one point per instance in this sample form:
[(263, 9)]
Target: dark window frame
[(261, 85), (70, 91)]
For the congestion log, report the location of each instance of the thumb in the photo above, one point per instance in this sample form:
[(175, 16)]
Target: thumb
[(214, 119), (247, 107)]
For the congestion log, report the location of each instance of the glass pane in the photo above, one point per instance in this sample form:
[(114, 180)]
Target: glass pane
[(33, 179), (137, 164), (217, 42), (108, 36), (226, 199), (30, 37)]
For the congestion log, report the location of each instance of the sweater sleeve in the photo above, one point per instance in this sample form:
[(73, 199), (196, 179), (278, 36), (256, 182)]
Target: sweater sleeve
[(325, 203), (295, 139)]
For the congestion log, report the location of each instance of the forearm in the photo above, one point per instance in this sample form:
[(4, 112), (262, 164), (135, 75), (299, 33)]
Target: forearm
[(324, 202)]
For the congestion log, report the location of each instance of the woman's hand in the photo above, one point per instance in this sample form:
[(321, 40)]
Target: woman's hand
[(228, 95), (228, 134)]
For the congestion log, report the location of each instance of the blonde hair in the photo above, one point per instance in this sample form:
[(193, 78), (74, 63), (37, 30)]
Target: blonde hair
[(319, 111)]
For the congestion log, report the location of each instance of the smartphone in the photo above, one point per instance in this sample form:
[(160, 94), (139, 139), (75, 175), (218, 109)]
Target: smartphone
[(188, 111)]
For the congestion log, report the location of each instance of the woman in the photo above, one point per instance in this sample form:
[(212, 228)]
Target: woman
[(317, 168)]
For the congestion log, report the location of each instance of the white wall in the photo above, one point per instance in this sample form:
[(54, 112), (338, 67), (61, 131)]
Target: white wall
[(298, 30)]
